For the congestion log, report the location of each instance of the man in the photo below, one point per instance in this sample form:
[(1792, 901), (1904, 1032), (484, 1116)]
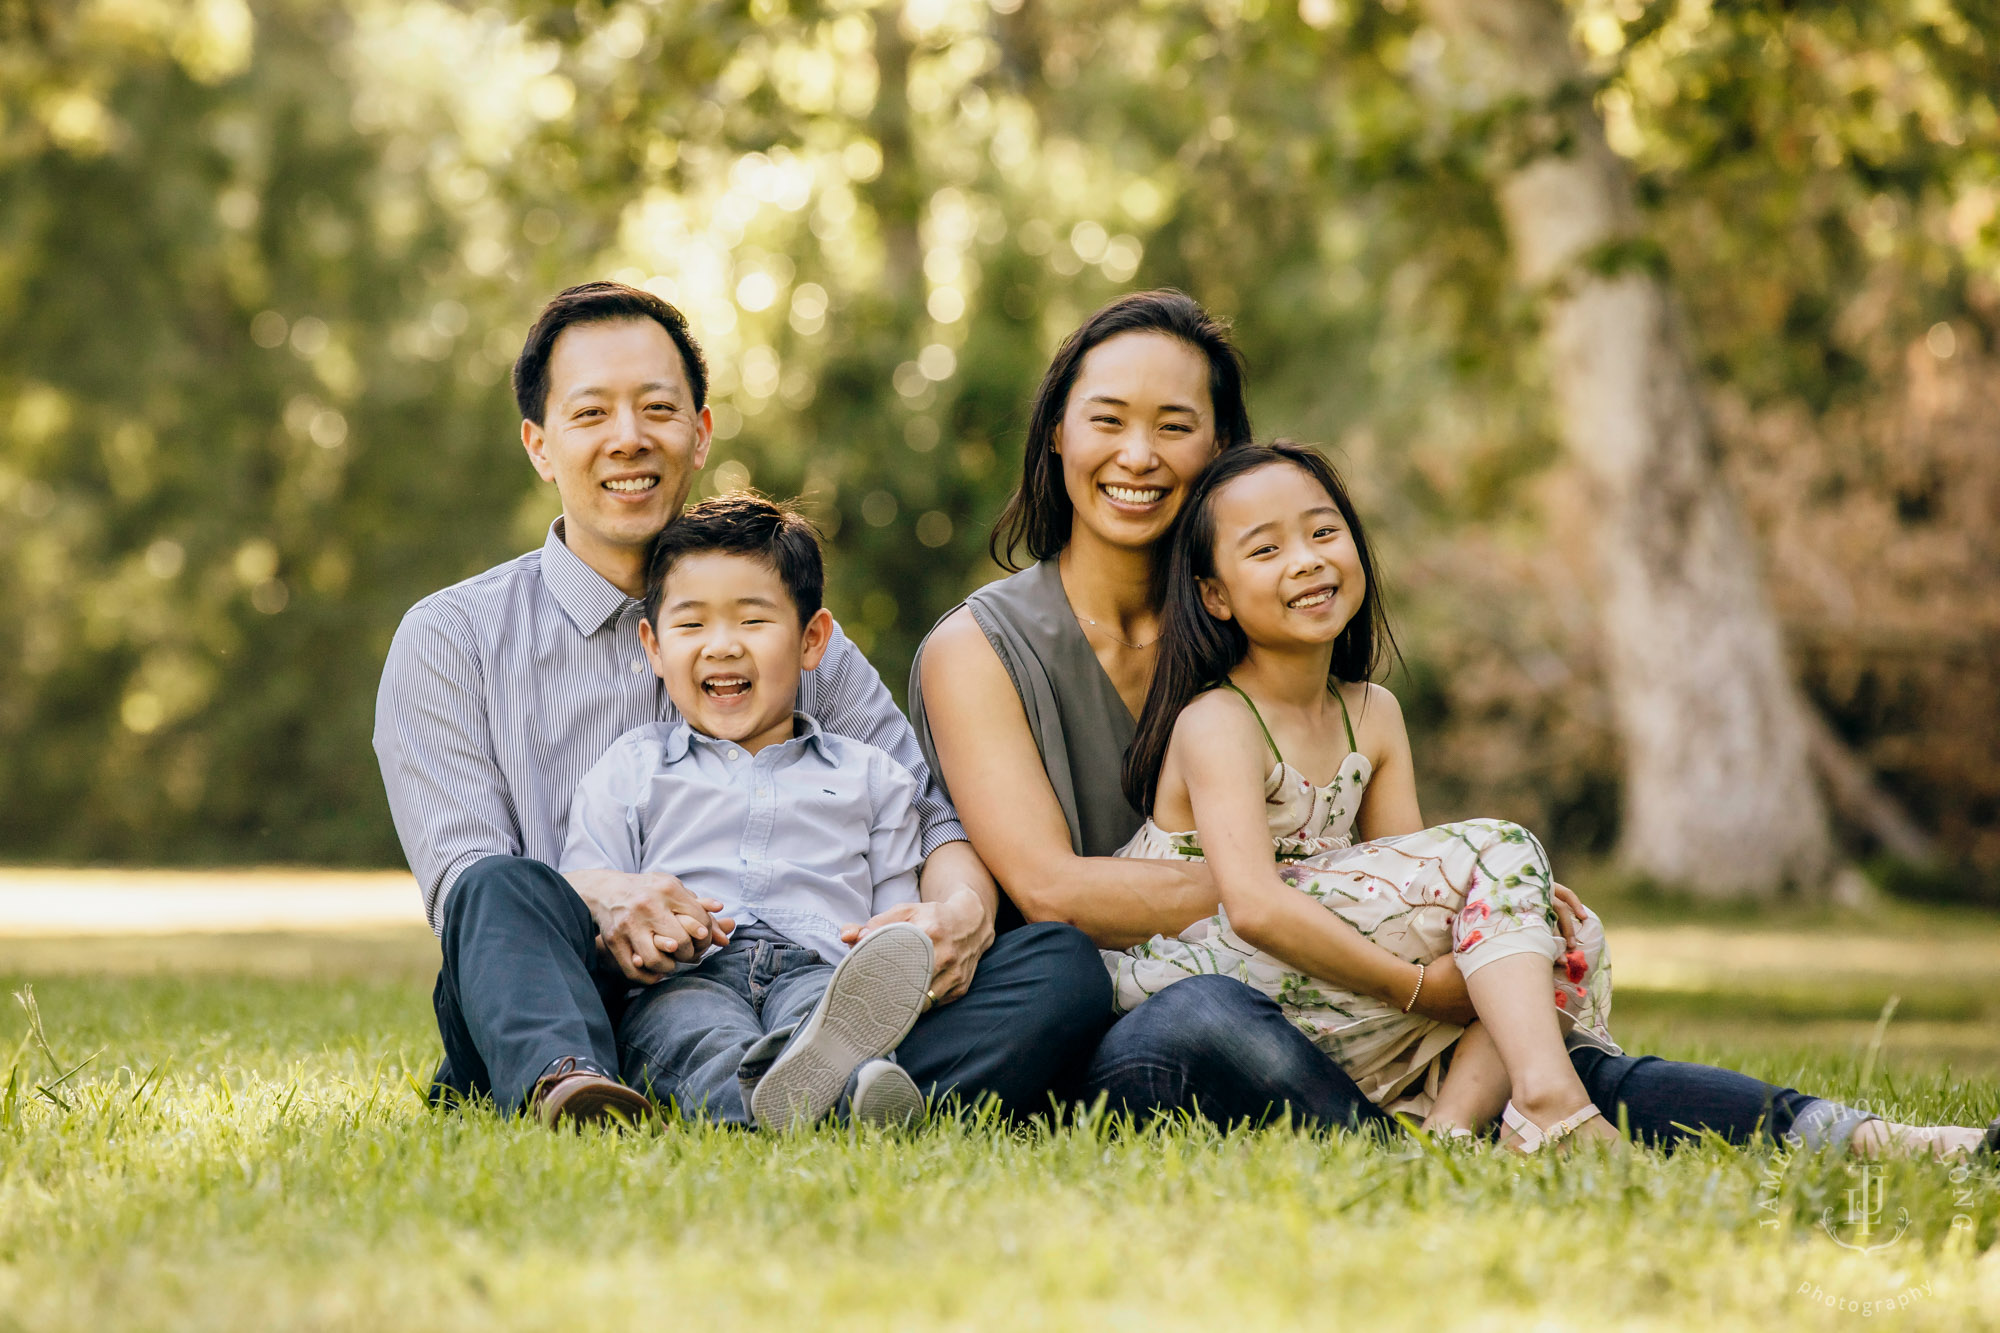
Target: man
[(500, 692)]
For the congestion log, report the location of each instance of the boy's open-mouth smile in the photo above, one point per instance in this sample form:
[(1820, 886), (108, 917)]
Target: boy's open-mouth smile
[(726, 687)]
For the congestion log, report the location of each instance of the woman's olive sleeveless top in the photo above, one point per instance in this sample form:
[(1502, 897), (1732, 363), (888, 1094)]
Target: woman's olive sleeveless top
[(1080, 723)]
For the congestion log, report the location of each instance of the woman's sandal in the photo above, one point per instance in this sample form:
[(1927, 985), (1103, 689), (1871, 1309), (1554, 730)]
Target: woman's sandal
[(1530, 1137)]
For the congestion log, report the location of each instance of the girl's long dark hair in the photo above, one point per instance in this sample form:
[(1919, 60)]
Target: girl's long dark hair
[(1197, 651), (1039, 512)]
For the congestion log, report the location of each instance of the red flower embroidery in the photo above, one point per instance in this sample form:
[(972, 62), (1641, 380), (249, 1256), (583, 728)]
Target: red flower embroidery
[(1470, 940), (1562, 1001), (1476, 911), (1574, 962)]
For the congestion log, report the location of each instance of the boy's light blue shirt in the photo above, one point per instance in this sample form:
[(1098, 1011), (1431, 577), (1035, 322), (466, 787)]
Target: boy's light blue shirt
[(806, 835)]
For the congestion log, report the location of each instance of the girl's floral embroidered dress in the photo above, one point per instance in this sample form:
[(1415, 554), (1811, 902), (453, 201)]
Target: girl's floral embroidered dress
[(1480, 888)]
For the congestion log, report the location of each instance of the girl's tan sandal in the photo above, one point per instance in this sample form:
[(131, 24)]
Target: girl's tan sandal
[(1530, 1137)]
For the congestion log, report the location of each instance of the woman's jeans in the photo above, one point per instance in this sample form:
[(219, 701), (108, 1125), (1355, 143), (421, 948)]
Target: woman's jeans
[(1211, 1046)]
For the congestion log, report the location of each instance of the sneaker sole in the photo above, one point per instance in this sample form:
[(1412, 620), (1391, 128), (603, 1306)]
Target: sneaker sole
[(871, 1002), (889, 1101)]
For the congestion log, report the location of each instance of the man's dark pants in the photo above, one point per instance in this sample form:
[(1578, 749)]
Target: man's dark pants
[(522, 986)]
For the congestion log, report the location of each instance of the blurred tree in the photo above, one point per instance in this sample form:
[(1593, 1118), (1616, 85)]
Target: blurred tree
[(262, 282), (241, 436), (1719, 789)]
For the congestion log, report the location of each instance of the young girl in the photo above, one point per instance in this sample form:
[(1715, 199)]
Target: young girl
[(1261, 730)]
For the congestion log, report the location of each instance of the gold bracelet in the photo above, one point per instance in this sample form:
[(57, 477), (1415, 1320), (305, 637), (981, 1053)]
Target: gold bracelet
[(1418, 991)]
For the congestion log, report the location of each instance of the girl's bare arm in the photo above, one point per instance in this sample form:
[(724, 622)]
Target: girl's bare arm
[(1389, 808), (1226, 790), (994, 772)]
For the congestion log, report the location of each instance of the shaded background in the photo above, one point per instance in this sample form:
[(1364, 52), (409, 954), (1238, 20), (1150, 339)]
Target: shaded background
[(263, 271)]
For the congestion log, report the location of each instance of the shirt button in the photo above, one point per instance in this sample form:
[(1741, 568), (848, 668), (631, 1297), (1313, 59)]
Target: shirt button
[(734, 755), (638, 665)]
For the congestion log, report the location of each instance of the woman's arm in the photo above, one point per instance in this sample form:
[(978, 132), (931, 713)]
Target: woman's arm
[(994, 773), (1218, 751)]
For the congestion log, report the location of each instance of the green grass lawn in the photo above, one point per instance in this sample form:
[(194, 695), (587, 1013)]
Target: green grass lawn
[(247, 1151)]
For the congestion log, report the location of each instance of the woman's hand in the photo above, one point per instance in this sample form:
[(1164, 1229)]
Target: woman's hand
[(960, 928), (1569, 910), (959, 902)]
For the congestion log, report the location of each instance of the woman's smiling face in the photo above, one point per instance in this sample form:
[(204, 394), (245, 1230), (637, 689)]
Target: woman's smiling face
[(1138, 426)]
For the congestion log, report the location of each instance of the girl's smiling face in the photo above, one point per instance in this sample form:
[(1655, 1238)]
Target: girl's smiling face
[(1287, 569), (1137, 428)]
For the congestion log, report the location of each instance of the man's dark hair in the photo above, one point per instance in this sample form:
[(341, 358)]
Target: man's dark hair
[(598, 303), (742, 523)]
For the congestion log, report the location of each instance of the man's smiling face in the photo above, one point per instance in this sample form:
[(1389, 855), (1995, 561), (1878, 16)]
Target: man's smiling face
[(620, 437)]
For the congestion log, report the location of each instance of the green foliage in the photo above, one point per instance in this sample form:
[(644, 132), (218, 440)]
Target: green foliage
[(260, 281), (226, 473)]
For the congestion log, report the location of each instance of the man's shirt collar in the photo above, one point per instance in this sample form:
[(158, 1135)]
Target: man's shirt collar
[(586, 596)]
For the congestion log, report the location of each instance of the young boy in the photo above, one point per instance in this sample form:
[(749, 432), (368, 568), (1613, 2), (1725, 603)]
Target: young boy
[(788, 831)]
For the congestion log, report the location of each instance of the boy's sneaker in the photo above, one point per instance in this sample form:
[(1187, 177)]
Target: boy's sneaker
[(885, 1096), (871, 1002)]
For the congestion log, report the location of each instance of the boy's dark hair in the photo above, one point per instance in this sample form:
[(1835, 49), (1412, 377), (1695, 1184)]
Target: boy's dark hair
[(742, 523), (598, 303)]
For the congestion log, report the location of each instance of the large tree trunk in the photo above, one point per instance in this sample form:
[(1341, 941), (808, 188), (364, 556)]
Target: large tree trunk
[(1719, 791)]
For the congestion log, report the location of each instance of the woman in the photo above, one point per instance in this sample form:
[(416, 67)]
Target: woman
[(1025, 698)]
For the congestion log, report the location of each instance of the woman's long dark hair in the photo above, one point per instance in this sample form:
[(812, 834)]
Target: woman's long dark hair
[(1038, 514), (1197, 651)]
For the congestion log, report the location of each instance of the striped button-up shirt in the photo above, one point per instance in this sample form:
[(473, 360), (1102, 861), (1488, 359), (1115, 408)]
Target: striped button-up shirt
[(500, 693)]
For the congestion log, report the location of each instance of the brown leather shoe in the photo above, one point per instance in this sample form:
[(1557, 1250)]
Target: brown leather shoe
[(572, 1096)]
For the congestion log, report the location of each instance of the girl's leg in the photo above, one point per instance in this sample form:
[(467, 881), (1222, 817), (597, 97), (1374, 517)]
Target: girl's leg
[(1516, 1008), (1474, 1088)]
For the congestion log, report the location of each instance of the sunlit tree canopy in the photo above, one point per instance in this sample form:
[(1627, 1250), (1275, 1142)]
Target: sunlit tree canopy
[(263, 272)]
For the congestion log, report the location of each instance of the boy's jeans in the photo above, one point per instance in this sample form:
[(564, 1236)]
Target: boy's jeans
[(703, 1037)]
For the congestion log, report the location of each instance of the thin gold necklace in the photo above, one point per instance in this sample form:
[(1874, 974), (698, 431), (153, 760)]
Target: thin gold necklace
[(1109, 635)]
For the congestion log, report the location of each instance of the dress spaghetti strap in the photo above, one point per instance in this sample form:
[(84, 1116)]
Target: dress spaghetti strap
[(1260, 719), (1353, 746)]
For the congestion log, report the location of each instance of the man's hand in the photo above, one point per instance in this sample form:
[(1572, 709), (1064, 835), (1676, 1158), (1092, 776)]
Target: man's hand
[(1444, 996), (960, 931), (1569, 910), (648, 922)]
